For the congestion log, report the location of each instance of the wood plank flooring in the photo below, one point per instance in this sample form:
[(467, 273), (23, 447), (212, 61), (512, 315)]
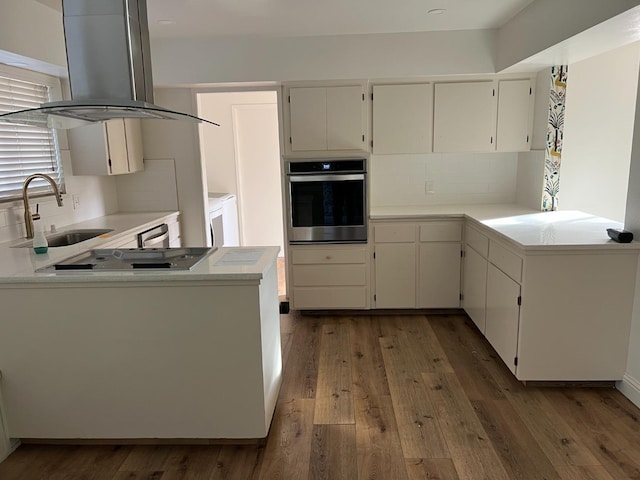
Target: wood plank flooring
[(387, 397)]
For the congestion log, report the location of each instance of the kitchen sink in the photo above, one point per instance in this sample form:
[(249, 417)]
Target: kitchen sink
[(70, 237)]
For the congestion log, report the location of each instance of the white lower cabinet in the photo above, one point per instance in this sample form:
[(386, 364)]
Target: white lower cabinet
[(439, 275), (502, 315), (395, 265), (328, 277), (551, 314), (417, 264), (474, 286)]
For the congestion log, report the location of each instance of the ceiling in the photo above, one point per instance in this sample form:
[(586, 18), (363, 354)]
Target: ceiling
[(199, 18)]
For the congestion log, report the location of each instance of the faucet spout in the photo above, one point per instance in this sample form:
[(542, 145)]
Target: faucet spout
[(28, 217)]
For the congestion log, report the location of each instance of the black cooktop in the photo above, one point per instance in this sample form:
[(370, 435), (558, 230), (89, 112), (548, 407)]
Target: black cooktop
[(132, 259)]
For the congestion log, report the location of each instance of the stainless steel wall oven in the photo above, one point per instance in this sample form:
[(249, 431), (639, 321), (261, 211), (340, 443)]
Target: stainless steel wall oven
[(327, 201)]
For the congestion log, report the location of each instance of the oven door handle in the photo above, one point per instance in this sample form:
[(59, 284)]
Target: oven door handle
[(326, 177)]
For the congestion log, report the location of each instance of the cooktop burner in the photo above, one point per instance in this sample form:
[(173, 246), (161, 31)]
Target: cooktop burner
[(132, 259)]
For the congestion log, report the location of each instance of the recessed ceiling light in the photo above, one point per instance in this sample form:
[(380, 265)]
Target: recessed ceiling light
[(436, 11), (166, 22)]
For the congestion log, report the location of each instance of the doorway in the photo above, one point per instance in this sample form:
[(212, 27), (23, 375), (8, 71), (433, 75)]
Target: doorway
[(242, 157)]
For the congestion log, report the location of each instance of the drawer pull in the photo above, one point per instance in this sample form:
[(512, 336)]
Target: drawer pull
[(328, 257)]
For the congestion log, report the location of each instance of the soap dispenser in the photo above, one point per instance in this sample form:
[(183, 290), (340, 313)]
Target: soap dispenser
[(40, 244)]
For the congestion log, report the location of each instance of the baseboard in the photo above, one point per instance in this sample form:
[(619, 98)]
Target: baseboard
[(630, 388)]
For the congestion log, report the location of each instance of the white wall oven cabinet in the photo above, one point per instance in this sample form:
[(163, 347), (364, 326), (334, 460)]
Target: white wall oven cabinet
[(327, 227), (402, 118), (113, 147), (323, 118), (558, 314), (326, 201), (416, 265)]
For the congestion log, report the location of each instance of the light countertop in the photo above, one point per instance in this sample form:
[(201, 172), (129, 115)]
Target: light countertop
[(478, 212), (522, 227), (19, 265)]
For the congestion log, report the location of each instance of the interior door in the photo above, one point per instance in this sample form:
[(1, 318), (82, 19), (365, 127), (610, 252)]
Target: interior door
[(255, 129)]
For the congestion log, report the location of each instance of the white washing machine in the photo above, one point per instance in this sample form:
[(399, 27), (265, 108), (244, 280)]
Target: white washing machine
[(223, 220)]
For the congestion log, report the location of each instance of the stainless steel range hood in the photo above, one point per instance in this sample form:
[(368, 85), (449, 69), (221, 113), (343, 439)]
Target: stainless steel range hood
[(109, 63)]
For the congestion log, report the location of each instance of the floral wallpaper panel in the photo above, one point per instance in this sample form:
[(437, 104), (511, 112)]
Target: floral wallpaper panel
[(555, 132)]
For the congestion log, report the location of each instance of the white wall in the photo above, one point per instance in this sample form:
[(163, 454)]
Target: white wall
[(97, 197), (600, 108), (530, 178), (456, 178), (253, 59), (245, 161), (545, 23), (32, 33), (155, 189), (177, 141), (630, 385), (217, 143)]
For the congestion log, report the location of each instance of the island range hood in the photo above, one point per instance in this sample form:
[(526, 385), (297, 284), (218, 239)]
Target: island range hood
[(109, 63)]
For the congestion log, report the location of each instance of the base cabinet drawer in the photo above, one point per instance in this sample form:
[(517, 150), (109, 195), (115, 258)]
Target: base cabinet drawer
[(321, 298), (324, 277), (305, 255), (329, 275)]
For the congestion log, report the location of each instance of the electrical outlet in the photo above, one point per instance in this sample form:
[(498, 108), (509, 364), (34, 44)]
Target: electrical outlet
[(76, 201), (428, 188)]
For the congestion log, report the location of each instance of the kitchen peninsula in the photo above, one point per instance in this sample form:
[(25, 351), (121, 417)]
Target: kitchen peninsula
[(191, 354)]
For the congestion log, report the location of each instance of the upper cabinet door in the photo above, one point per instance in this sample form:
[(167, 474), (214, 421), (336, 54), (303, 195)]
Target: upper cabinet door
[(133, 132), (402, 118), (464, 117), (308, 108), (327, 118), (514, 119), (117, 145), (345, 118)]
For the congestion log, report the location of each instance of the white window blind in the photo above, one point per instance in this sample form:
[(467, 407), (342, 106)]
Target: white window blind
[(25, 150)]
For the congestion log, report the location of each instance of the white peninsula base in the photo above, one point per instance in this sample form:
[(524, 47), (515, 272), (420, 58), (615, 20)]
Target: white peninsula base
[(193, 356)]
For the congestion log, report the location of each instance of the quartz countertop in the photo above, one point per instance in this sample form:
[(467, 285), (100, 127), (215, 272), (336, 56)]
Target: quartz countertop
[(22, 262), (19, 265), (523, 227)]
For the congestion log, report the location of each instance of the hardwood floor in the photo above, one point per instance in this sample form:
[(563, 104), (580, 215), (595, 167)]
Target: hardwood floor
[(388, 398)]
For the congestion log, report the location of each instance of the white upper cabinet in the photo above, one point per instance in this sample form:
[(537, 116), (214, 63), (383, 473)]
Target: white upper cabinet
[(308, 107), (464, 117), (107, 148), (402, 118), (326, 118), (515, 109), (345, 129)]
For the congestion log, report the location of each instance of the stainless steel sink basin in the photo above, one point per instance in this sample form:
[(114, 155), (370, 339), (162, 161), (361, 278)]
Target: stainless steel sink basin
[(70, 237)]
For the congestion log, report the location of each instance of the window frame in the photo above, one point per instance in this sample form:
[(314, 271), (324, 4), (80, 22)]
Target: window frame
[(55, 94)]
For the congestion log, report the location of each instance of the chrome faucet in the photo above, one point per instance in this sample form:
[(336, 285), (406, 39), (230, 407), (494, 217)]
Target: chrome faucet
[(28, 217)]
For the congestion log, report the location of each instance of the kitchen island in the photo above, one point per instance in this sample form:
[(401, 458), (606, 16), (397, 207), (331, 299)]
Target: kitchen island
[(142, 355)]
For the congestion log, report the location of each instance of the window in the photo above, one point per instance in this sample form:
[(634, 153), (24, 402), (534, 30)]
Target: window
[(25, 150)]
